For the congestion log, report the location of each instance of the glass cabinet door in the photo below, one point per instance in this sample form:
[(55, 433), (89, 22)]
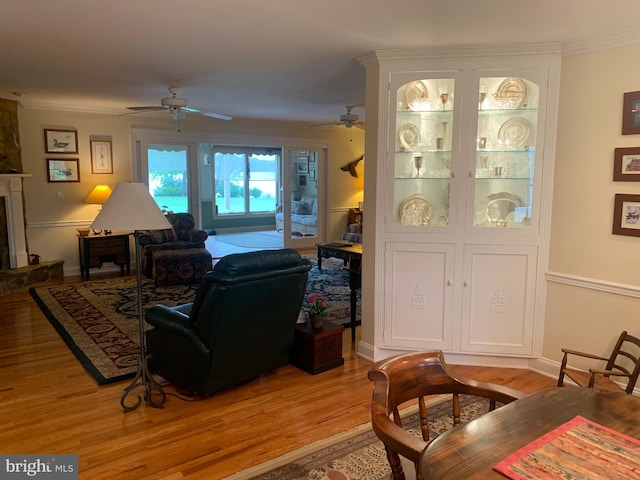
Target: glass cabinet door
[(505, 152), (423, 147)]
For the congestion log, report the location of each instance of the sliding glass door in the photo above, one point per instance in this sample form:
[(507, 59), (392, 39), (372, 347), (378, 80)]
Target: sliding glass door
[(302, 217), (168, 176)]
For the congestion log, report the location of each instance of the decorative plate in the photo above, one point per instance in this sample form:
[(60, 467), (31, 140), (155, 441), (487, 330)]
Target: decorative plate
[(501, 207), (417, 96), (514, 132), (415, 211), (409, 136), (513, 90)]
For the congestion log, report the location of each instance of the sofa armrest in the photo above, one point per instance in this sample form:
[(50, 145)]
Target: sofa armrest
[(196, 235)]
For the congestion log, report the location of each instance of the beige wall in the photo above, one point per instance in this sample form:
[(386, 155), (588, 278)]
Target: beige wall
[(588, 312), (52, 222)]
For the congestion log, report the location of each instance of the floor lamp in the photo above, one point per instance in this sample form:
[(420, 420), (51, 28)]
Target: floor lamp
[(131, 207)]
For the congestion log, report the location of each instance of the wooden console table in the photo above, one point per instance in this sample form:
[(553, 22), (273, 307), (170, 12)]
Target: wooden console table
[(97, 249)]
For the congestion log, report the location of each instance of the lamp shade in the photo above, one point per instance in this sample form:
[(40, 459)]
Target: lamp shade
[(99, 195), (130, 207)]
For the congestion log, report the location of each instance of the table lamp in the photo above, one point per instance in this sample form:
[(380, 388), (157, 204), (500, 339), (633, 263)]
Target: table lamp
[(99, 196), (132, 208)]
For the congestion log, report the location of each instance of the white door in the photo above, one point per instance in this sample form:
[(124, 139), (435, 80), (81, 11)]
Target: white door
[(498, 299), (419, 295)]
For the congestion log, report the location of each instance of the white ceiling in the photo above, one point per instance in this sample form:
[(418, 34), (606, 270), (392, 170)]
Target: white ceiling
[(266, 59)]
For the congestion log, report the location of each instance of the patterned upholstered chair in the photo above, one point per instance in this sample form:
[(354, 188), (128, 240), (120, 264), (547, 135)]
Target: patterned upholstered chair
[(186, 266)]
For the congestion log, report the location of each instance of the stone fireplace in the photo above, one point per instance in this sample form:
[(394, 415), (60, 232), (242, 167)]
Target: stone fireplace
[(11, 193)]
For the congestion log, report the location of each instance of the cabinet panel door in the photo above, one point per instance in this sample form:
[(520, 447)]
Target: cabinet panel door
[(418, 295), (498, 299)]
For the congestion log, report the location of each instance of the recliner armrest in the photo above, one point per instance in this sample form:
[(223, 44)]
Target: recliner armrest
[(174, 322)]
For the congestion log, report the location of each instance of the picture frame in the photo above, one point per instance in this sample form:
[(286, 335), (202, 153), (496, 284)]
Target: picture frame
[(626, 215), (63, 170), (101, 158), (302, 165), (60, 141), (626, 164), (303, 180), (631, 113), (312, 175)]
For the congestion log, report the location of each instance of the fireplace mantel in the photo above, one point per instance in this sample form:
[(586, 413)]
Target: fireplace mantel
[(11, 190)]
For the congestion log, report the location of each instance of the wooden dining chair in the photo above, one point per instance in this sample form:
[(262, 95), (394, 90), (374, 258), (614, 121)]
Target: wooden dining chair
[(412, 377), (623, 364)]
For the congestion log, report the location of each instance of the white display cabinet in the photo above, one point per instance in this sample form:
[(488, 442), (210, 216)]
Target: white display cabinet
[(464, 174)]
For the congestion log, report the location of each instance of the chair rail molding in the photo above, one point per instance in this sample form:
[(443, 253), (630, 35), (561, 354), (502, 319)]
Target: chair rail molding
[(594, 284)]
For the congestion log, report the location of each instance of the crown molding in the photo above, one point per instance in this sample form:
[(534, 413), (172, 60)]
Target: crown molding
[(602, 42), (462, 52)]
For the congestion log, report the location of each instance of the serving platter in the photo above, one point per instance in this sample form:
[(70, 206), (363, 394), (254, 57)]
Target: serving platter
[(416, 95), (512, 92), (409, 136), (497, 209), (415, 211), (514, 132)]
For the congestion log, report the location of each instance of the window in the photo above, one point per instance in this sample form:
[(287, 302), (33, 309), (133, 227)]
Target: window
[(245, 180), (168, 179)]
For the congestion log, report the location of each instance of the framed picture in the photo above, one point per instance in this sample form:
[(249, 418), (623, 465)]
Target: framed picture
[(626, 215), (302, 164), (303, 180), (312, 175), (101, 161), (63, 170), (631, 113), (60, 141), (626, 164)]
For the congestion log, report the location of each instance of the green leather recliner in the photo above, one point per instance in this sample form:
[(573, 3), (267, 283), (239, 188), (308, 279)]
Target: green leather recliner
[(240, 325)]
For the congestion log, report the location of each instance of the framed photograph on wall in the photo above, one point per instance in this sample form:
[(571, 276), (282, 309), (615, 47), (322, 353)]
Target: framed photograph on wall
[(626, 164), (60, 141), (101, 161), (631, 113), (63, 170), (302, 165), (312, 175), (626, 215), (303, 181)]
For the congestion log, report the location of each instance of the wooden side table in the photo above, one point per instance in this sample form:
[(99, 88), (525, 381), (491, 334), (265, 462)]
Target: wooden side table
[(317, 350), (97, 249)]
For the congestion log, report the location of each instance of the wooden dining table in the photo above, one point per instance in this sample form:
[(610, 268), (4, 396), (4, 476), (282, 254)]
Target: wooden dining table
[(471, 450)]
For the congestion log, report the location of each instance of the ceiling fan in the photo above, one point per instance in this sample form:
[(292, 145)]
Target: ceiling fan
[(177, 107), (347, 119)]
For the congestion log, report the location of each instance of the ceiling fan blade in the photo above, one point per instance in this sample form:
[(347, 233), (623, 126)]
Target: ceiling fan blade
[(323, 124), (146, 108), (219, 116)]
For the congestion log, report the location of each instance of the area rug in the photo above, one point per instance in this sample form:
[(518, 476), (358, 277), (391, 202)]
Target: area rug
[(333, 282), (357, 454), (98, 319)]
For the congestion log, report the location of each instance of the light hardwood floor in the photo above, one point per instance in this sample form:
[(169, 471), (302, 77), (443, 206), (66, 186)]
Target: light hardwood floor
[(49, 404)]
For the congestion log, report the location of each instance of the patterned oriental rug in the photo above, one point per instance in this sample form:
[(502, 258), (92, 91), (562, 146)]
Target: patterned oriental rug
[(357, 454), (98, 319)]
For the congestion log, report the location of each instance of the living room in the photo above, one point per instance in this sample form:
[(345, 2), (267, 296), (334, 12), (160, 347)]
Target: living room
[(591, 291)]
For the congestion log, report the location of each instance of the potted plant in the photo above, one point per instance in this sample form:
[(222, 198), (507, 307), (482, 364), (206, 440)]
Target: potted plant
[(317, 305)]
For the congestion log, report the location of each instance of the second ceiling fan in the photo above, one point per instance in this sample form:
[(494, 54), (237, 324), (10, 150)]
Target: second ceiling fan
[(347, 119)]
